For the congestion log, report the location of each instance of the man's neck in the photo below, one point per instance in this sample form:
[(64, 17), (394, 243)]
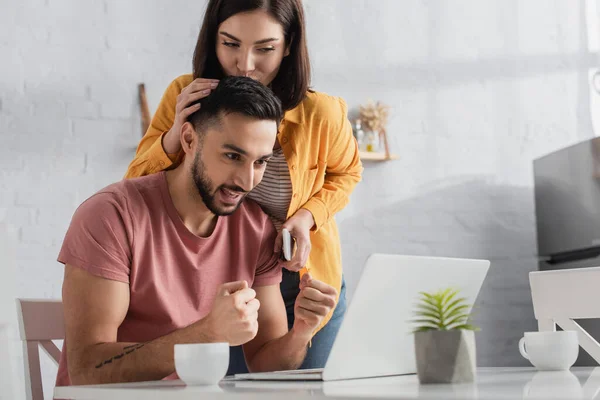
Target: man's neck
[(189, 205)]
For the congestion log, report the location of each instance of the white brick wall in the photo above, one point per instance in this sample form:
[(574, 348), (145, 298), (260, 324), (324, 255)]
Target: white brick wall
[(478, 89)]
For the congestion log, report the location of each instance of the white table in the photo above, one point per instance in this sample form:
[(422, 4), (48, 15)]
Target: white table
[(492, 383)]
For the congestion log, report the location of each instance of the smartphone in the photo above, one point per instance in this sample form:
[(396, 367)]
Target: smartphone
[(287, 245)]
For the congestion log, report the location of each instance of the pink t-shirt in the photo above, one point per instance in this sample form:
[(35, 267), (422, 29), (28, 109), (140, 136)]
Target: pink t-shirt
[(131, 232)]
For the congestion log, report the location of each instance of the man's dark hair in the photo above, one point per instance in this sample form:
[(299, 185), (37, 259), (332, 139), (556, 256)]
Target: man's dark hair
[(240, 95)]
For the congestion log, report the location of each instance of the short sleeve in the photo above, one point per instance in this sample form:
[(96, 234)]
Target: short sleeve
[(268, 269), (100, 236)]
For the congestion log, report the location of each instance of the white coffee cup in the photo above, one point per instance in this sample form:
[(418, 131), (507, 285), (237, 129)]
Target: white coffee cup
[(550, 351), (201, 363)]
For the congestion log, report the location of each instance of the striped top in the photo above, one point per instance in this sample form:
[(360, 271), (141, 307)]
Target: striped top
[(274, 192)]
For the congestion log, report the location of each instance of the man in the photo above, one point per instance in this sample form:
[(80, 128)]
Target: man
[(177, 257)]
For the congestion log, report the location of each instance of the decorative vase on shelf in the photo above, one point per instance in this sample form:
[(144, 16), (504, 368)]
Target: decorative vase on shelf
[(372, 143), (359, 134)]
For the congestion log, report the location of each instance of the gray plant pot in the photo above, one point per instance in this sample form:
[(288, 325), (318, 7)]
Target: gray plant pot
[(445, 356)]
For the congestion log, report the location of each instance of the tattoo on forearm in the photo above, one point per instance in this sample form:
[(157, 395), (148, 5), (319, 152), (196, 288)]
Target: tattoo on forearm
[(126, 350)]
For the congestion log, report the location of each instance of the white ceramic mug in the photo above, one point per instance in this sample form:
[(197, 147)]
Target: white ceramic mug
[(201, 363), (550, 351)]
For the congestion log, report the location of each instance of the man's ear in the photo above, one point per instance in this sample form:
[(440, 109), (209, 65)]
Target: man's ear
[(189, 138)]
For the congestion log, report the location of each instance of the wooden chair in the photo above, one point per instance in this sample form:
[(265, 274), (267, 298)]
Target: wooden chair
[(560, 296), (40, 322)]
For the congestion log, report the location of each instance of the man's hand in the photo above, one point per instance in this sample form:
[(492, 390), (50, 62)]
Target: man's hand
[(234, 315), (315, 300)]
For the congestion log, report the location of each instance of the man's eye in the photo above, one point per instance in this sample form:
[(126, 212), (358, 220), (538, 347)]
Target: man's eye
[(262, 162), (232, 156)]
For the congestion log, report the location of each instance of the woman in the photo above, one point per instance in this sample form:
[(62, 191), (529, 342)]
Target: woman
[(315, 165)]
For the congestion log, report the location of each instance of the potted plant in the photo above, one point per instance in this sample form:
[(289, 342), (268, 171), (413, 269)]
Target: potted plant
[(444, 338)]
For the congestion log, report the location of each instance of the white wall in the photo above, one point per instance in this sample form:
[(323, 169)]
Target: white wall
[(478, 89), (8, 343)]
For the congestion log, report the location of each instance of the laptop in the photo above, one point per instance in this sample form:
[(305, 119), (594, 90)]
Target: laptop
[(375, 338)]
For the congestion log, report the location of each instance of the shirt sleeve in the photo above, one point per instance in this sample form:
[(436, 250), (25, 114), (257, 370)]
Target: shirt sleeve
[(99, 238), (344, 168), (150, 156), (268, 269)]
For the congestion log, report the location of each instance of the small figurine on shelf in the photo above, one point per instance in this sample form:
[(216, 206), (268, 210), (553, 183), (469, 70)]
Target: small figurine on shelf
[(374, 116)]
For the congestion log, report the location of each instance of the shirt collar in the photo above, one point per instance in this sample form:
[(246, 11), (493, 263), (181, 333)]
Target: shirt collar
[(295, 115)]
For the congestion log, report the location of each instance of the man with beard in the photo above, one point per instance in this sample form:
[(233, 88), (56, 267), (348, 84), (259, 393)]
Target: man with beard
[(177, 257)]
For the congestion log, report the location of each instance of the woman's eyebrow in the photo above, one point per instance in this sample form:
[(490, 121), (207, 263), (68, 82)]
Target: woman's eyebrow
[(262, 41)]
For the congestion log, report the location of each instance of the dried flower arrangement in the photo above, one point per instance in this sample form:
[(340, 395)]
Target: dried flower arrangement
[(374, 116)]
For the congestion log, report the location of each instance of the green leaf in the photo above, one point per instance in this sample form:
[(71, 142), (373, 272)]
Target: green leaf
[(425, 322), (432, 315), (461, 319), (455, 303), (439, 306), (431, 324), (426, 307), (449, 295), (427, 296), (460, 310), (429, 299), (424, 329), (442, 310), (432, 297), (429, 303), (444, 294)]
